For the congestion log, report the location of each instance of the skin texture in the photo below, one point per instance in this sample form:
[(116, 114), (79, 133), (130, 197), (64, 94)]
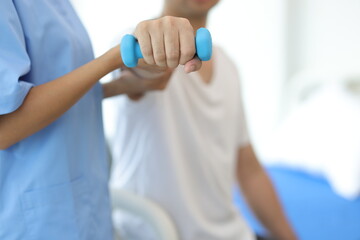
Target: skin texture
[(47, 102), (260, 194), (253, 180), (193, 14), (166, 46)]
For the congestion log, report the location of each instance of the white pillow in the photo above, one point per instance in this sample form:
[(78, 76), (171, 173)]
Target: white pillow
[(322, 136)]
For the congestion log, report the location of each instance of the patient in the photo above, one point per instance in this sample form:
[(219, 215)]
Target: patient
[(184, 147)]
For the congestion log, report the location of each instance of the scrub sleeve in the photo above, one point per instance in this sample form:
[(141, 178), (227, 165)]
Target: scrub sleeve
[(14, 61)]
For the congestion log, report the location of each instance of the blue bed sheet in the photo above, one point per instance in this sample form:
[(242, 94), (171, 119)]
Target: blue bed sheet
[(314, 210)]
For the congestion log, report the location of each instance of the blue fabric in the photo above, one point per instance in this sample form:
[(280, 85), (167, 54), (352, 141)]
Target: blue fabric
[(314, 210), (53, 184)]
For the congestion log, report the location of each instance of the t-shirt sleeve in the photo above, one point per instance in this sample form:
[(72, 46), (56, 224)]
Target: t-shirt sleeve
[(243, 135), (14, 60)]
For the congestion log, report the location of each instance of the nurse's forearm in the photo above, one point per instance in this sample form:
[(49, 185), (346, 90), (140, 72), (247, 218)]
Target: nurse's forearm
[(47, 102)]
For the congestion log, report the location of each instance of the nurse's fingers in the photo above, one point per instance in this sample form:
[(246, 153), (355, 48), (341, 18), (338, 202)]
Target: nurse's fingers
[(193, 65)]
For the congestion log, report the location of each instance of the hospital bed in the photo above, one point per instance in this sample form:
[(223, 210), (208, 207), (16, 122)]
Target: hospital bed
[(147, 210), (314, 210)]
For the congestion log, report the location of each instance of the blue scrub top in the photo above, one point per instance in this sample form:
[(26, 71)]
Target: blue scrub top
[(53, 184)]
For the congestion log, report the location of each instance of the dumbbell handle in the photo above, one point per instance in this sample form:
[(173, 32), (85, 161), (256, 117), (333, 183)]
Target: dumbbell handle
[(131, 52)]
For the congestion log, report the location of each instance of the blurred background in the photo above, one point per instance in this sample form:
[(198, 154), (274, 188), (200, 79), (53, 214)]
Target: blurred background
[(299, 62)]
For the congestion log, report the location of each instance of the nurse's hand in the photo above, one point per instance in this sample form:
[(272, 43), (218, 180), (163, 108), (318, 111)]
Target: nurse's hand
[(167, 42), (135, 85)]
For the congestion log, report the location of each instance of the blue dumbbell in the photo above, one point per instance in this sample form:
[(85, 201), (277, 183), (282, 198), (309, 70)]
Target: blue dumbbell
[(131, 53)]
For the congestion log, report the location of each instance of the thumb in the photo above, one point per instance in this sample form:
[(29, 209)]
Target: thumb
[(193, 65)]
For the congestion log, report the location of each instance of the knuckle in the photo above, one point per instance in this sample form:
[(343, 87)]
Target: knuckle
[(184, 21), (168, 19), (168, 22), (149, 25), (142, 26)]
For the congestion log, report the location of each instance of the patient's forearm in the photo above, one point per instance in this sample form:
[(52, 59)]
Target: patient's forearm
[(261, 196)]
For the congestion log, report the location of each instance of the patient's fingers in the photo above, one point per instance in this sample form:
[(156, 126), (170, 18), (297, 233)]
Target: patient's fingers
[(193, 65), (143, 36), (172, 48)]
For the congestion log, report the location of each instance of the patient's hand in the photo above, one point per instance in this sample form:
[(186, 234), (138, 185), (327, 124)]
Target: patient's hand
[(167, 42)]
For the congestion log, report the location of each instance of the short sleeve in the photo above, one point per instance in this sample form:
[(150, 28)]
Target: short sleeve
[(14, 60), (243, 135)]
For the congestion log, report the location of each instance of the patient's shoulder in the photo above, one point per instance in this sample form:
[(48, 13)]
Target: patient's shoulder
[(221, 55)]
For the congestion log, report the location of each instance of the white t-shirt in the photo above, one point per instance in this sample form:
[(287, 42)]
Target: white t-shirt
[(178, 148)]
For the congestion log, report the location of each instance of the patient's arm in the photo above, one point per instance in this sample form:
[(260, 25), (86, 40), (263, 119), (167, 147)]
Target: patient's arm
[(261, 196)]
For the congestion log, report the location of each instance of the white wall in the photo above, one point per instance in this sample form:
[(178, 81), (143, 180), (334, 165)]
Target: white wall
[(322, 45), (106, 19), (323, 33)]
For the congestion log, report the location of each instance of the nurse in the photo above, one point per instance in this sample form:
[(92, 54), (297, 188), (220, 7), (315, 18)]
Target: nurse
[(53, 162)]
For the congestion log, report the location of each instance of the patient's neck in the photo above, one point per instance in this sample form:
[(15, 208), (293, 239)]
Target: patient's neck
[(197, 21)]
